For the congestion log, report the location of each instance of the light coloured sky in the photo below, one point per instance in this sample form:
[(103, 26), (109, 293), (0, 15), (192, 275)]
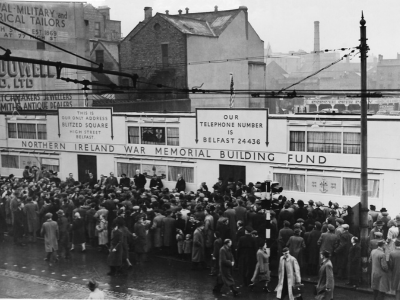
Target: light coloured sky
[(289, 24)]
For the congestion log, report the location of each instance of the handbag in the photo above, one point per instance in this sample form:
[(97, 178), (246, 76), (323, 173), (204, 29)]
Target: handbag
[(297, 290)]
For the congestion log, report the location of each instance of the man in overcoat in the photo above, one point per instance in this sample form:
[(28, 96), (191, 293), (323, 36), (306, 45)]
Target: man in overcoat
[(354, 262), (63, 230), (326, 281), (31, 210), (140, 180), (246, 253), (313, 249), (394, 265), (156, 229), (289, 275), (283, 237), (18, 224), (328, 241), (198, 255), (168, 232), (342, 251), (180, 184), (379, 274), (50, 233), (230, 213)]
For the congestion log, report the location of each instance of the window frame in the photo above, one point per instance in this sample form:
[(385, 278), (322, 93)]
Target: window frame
[(167, 135), (97, 29), (39, 135)]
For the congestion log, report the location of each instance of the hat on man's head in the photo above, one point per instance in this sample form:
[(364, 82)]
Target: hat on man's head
[(311, 202), (331, 227), (300, 220), (340, 220), (379, 223), (60, 212), (372, 207), (345, 226), (248, 228), (319, 203), (383, 209), (201, 195), (378, 234), (49, 215)]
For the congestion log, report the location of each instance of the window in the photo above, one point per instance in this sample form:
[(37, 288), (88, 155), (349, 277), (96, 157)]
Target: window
[(173, 136), (351, 143), (187, 173), (40, 46), (10, 161), (97, 29), (26, 131), (352, 187), (12, 130), (100, 56), (153, 135), (127, 168), (297, 141), (157, 27), (291, 182), (164, 51), (133, 135), (42, 131), (28, 161), (51, 164), (326, 142)]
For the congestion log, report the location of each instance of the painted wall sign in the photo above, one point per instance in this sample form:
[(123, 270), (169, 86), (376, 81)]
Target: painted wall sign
[(324, 185), (92, 125), (26, 86), (241, 129)]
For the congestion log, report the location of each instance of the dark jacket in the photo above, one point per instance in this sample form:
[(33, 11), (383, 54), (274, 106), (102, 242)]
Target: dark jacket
[(180, 185), (140, 181)]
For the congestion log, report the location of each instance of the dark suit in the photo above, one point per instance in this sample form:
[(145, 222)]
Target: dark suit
[(140, 181), (246, 252), (180, 185), (19, 218)]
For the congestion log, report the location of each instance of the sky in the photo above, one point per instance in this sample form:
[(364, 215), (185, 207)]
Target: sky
[(288, 25)]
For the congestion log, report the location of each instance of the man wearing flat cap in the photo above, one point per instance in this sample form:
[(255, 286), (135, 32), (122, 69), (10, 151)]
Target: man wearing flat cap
[(50, 233), (342, 251), (378, 227), (379, 272), (328, 241), (373, 244), (339, 227), (246, 253)]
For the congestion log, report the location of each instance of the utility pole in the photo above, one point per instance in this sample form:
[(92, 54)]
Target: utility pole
[(364, 148)]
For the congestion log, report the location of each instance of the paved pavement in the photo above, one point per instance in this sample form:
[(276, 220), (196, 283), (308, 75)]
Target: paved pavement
[(24, 274)]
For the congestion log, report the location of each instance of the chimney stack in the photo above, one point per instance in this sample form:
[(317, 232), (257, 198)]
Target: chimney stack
[(187, 10), (167, 12), (148, 13), (216, 8), (317, 62), (180, 11)]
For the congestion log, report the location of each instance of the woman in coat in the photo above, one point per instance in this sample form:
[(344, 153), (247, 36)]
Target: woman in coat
[(114, 259), (226, 262), (78, 232), (102, 232), (261, 272), (354, 262), (326, 281), (198, 246), (289, 275)]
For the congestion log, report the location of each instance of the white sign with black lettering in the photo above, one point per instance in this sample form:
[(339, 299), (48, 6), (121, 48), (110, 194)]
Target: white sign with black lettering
[(89, 125), (240, 129)]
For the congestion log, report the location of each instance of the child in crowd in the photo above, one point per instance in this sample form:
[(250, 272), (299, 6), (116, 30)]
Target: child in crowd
[(180, 237), (187, 247)]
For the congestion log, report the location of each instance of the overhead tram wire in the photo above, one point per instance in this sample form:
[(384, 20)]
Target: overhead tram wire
[(47, 43)]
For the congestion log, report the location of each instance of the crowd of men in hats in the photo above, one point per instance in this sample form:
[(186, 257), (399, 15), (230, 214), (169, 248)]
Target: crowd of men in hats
[(218, 228)]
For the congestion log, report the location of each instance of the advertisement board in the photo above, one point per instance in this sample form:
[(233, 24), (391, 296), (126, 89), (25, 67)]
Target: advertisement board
[(91, 125), (27, 86), (240, 129)]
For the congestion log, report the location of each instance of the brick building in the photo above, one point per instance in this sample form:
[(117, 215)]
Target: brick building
[(171, 50), (104, 36)]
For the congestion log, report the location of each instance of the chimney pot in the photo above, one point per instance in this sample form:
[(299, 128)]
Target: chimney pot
[(216, 8), (180, 11), (148, 13), (167, 12), (187, 10)]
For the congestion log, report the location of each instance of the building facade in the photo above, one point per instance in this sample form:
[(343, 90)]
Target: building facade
[(310, 162), (192, 50)]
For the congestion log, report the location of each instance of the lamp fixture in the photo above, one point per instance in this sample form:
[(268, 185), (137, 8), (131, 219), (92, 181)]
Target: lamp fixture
[(14, 118), (315, 125)]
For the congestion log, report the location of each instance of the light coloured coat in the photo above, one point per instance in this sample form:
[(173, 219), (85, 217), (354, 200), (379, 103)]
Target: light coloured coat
[(292, 269), (50, 233), (102, 231), (379, 274)]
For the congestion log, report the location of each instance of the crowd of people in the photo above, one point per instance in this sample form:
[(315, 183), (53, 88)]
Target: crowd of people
[(221, 228)]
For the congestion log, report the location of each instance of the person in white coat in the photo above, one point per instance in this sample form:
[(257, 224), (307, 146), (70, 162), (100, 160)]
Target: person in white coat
[(289, 275)]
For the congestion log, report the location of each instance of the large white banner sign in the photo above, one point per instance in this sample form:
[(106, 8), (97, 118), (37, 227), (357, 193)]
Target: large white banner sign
[(241, 129)]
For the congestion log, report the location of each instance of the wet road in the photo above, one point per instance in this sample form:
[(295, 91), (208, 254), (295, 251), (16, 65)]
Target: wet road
[(24, 274)]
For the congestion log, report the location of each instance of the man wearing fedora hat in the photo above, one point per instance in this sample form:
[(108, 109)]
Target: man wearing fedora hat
[(50, 233)]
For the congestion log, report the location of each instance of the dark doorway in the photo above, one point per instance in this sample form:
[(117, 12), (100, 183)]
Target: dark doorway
[(87, 164), (232, 171)]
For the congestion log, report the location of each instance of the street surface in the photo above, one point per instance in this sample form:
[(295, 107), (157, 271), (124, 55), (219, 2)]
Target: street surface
[(24, 274)]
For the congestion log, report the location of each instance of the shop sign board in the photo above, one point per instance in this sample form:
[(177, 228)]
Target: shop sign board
[(27, 86), (240, 129), (324, 185), (86, 125)]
